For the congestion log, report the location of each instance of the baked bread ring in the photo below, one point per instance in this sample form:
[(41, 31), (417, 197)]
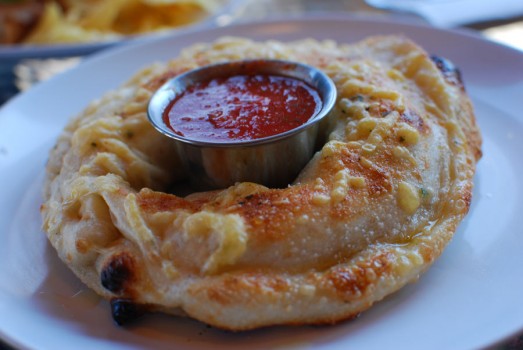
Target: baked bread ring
[(371, 211)]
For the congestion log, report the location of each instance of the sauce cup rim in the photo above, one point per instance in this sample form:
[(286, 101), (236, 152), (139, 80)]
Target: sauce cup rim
[(163, 96)]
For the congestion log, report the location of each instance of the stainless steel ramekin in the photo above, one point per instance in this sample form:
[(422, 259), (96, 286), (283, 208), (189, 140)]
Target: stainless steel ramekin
[(273, 161)]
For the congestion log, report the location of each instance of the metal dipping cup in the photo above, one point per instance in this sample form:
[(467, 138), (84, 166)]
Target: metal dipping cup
[(273, 161)]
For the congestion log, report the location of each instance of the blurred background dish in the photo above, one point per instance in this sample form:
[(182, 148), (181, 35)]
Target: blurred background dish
[(51, 22), (57, 29)]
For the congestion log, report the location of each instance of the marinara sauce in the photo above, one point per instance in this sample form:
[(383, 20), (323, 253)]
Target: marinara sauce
[(242, 107)]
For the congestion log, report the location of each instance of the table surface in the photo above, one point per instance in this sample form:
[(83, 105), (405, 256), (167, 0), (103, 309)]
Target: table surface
[(508, 31)]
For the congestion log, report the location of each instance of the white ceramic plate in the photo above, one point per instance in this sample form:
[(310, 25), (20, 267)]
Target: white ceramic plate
[(470, 298)]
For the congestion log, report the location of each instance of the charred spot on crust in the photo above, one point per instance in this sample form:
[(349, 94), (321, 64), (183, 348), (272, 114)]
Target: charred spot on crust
[(117, 273), (451, 73), (125, 311), (413, 119)]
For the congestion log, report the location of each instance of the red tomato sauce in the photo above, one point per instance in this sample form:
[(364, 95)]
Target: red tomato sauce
[(242, 107)]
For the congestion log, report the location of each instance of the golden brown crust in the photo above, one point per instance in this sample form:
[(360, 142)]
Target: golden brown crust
[(370, 212)]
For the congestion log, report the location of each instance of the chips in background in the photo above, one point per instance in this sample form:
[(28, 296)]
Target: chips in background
[(98, 20)]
